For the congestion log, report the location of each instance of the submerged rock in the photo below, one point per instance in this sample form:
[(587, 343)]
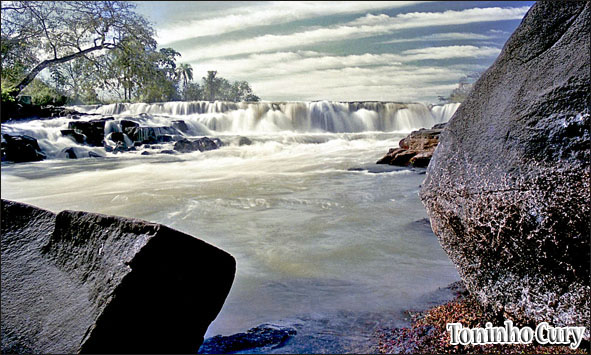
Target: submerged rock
[(20, 149), (201, 144), (508, 190), (263, 336), (85, 282)]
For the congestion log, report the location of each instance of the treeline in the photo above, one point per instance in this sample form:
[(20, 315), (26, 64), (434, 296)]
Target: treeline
[(96, 52)]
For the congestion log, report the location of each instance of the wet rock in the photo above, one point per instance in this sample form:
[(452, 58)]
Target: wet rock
[(21, 148), (180, 125), (508, 189), (145, 152), (150, 135), (244, 141), (127, 124), (201, 144), (263, 336), (93, 130), (168, 151), (83, 282), (117, 142), (76, 137), (76, 153)]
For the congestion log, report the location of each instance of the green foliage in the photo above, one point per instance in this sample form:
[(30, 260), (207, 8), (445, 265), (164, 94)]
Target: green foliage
[(42, 94), (217, 88), (192, 92), (8, 94), (72, 36)]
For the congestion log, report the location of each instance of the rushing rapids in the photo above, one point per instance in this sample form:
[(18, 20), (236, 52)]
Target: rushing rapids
[(318, 116), (202, 118)]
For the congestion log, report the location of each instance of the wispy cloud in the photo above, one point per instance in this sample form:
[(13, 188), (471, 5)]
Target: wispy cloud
[(367, 26), (272, 13), (448, 36), (312, 75), (262, 65)]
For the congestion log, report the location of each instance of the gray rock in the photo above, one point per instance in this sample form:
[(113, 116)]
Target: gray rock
[(244, 141), (84, 282), (180, 125), (202, 144), (508, 189), (76, 137)]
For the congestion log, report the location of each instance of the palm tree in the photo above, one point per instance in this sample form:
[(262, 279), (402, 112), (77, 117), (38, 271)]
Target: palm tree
[(184, 72), (211, 84)]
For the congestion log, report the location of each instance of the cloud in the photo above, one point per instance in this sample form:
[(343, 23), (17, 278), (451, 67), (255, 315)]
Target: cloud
[(447, 36), (309, 75), (367, 26), (272, 13), (387, 83), (263, 65)]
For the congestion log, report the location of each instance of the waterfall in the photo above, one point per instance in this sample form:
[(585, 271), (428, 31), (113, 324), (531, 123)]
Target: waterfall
[(318, 116)]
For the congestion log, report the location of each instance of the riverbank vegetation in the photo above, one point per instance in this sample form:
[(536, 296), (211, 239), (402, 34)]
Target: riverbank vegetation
[(88, 52)]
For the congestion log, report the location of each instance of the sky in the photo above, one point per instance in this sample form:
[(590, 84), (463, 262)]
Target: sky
[(340, 51)]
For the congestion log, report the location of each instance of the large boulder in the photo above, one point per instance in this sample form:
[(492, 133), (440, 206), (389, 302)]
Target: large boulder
[(508, 189), (85, 282), (93, 130), (21, 148)]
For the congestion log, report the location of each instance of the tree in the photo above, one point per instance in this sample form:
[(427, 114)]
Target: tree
[(211, 85), (56, 32), (184, 72), (192, 92)]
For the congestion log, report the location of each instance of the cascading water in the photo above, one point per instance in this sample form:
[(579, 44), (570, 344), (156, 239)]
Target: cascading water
[(319, 116), (324, 240), (226, 118)]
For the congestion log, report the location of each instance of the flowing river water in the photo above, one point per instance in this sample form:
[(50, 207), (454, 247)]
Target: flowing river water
[(325, 240)]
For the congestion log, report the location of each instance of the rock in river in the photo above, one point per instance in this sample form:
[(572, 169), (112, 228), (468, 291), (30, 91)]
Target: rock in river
[(508, 190), (85, 282), (21, 149), (201, 144)]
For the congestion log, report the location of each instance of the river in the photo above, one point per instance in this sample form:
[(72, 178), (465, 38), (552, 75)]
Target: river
[(324, 239)]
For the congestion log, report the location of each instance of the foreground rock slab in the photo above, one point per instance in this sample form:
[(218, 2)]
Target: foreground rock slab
[(84, 282), (508, 189)]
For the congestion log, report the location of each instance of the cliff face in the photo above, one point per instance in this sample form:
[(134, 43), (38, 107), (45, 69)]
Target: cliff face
[(508, 188)]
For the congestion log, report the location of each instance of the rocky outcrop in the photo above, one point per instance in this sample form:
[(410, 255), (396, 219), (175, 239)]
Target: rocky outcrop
[(508, 189), (201, 144), (20, 149), (85, 282), (263, 337), (416, 149), (93, 130)]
